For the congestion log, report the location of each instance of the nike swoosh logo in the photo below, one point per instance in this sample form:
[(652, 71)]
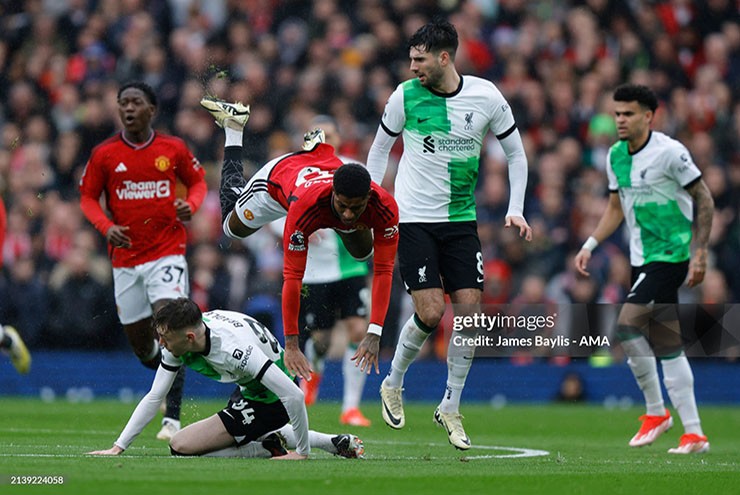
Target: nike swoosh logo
[(480, 280), (393, 419), (421, 121), (407, 347)]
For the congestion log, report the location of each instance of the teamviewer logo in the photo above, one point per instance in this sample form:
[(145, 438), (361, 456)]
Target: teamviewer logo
[(428, 144)]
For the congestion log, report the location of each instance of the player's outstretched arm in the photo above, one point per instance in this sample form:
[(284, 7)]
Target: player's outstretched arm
[(610, 220), (143, 414), (294, 402)]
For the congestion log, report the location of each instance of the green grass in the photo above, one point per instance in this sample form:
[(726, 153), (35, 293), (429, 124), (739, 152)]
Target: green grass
[(586, 453)]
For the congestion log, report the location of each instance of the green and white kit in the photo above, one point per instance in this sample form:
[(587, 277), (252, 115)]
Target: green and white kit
[(657, 208), (443, 135)]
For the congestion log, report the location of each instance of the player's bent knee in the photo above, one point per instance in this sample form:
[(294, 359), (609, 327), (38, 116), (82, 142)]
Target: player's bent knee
[(178, 446), (431, 315)]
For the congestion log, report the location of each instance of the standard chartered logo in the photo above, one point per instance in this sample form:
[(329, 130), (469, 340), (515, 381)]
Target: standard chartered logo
[(448, 144), (428, 144), (456, 144)]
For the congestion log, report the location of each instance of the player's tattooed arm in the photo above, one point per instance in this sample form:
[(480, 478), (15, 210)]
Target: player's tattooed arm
[(702, 226), (704, 212)]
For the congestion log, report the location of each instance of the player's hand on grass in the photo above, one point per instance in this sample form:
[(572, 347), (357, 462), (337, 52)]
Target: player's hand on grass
[(115, 450), (117, 237), (294, 359), (581, 261), (366, 356), (290, 456), (524, 229)]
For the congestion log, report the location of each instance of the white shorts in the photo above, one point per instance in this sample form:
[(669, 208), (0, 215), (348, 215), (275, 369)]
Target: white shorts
[(255, 207), (138, 287)]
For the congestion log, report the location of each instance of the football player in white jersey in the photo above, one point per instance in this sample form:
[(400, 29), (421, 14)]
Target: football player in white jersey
[(231, 347), (653, 184), (443, 117)]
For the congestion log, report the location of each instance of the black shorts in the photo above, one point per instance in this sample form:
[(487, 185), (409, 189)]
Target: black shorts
[(440, 255), (657, 282), (324, 304), (246, 421)]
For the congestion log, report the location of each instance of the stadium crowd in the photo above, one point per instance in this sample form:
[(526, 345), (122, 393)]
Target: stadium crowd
[(557, 63)]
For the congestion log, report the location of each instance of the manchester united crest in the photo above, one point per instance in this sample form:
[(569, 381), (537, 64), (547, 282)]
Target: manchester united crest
[(162, 163)]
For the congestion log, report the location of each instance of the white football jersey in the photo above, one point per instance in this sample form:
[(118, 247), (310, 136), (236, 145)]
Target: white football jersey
[(657, 208), (442, 138), (238, 350)]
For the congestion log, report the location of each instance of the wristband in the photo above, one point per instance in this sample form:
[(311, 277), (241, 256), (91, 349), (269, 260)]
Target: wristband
[(375, 329), (590, 244)]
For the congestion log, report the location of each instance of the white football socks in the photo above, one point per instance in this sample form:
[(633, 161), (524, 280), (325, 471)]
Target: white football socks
[(409, 343), (354, 380), (251, 450), (317, 362), (459, 360), (316, 440), (643, 364), (679, 382), (234, 137)]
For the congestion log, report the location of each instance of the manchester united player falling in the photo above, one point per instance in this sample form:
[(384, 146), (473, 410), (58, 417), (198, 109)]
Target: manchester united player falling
[(137, 169), (313, 190)]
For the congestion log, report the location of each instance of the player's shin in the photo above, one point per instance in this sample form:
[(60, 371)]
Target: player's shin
[(232, 179), (641, 361), (316, 440), (679, 382), (459, 360), (413, 335), (354, 380)]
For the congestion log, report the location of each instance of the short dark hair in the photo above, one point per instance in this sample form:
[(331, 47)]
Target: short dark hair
[(637, 92), (177, 314), (439, 34), (143, 87), (352, 180)]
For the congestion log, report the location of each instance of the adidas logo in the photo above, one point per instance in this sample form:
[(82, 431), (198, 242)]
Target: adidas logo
[(121, 167)]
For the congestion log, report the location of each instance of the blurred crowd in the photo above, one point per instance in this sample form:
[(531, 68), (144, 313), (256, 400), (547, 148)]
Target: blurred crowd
[(557, 63)]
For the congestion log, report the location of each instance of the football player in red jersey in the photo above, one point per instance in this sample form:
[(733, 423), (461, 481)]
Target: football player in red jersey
[(313, 190), (138, 169)]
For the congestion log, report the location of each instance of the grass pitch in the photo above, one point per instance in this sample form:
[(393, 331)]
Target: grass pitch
[(518, 449)]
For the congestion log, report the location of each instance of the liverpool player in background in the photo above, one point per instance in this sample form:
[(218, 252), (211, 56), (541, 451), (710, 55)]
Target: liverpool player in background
[(313, 190), (137, 169)]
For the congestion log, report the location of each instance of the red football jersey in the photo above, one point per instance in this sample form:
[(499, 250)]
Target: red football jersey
[(139, 183), (302, 183)]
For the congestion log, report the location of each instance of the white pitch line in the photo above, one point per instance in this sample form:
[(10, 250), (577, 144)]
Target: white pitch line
[(521, 452), (52, 431)]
